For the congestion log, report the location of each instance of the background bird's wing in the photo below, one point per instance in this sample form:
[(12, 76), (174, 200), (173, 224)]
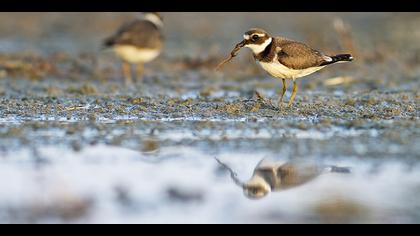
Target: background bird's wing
[(297, 55), (138, 33)]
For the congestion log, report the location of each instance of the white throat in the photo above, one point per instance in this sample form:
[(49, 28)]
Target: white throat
[(259, 48), (154, 19)]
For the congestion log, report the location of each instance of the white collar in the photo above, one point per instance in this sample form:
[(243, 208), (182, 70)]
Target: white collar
[(257, 49)]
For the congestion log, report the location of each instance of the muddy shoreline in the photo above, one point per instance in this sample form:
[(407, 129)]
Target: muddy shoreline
[(78, 146)]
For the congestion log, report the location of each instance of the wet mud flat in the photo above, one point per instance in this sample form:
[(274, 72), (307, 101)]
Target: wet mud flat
[(384, 118), (76, 145)]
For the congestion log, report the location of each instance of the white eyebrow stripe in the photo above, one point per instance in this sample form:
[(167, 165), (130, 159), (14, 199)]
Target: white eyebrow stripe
[(260, 35)]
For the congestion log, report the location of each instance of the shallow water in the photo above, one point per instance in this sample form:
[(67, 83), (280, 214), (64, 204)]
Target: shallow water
[(76, 145), (116, 185)]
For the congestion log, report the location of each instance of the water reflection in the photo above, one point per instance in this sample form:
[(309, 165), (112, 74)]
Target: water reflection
[(270, 176)]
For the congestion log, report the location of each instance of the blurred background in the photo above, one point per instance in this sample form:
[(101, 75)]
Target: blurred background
[(81, 32), (385, 44), (77, 145)]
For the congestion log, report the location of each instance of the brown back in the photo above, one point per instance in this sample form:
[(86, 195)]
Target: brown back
[(139, 33), (297, 55)]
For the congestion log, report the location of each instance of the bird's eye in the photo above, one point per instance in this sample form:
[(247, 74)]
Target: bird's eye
[(255, 37)]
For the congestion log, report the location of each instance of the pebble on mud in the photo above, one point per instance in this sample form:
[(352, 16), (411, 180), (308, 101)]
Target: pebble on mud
[(233, 108), (350, 102), (85, 89), (410, 109)]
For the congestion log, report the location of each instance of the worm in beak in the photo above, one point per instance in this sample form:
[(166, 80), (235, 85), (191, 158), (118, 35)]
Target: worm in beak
[(233, 54)]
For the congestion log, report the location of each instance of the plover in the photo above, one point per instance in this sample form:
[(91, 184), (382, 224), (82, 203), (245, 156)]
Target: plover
[(284, 58), (270, 176), (137, 43)]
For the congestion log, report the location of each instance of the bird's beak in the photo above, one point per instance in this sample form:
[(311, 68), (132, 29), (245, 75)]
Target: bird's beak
[(238, 47), (241, 44)]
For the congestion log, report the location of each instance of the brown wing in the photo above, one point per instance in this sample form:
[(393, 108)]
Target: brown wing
[(297, 55), (139, 33)]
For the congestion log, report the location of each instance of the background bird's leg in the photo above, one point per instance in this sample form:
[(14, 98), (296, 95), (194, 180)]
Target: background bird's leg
[(283, 92), (126, 68), (139, 72), (295, 89)]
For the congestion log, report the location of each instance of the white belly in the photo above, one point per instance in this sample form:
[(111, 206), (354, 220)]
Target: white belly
[(278, 70), (135, 55)]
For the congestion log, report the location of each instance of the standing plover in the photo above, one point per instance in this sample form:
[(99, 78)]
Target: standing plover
[(137, 43), (284, 58)]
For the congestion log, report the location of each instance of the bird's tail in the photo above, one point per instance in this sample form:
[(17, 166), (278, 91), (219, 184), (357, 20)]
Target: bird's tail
[(338, 58)]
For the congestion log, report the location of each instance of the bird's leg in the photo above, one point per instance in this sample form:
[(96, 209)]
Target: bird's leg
[(295, 89), (282, 93), (126, 69), (139, 72)]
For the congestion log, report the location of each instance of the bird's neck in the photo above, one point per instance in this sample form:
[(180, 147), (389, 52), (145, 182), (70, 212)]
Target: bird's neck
[(259, 48), (265, 52)]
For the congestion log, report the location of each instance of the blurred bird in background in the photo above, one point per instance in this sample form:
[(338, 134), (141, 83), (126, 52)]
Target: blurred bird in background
[(137, 43)]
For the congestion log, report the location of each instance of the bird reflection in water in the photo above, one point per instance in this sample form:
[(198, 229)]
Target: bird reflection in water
[(272, 176)]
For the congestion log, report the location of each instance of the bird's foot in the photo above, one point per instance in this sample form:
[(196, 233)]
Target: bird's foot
[(282, 107), (290, 104)]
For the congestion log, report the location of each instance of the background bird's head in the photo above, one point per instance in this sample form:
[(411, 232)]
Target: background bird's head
[(154, 17)]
